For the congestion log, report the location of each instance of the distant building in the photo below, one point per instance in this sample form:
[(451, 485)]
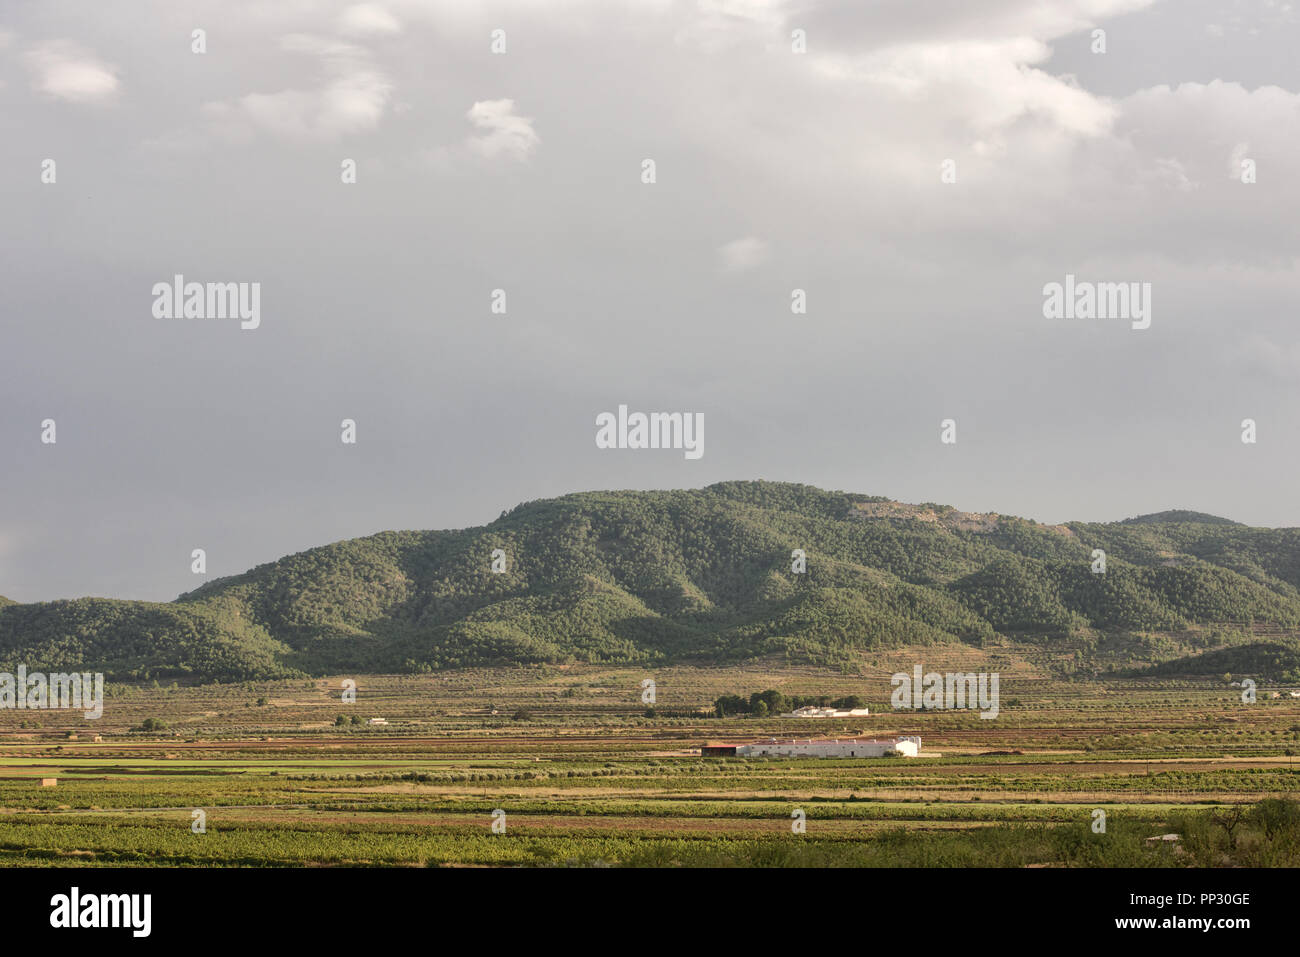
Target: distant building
[(812, 711), (908, 747), (49, 782), (377, 721), (718, 751)]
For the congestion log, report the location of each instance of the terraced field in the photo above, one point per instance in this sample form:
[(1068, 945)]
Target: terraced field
[(573, 768)]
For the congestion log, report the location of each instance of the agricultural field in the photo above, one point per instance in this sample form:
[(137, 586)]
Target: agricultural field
[(574, 769)]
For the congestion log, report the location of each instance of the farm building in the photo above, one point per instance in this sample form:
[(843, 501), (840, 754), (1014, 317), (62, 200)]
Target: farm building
[(811, 711), (718, 751), (377, 722), (908, 747)]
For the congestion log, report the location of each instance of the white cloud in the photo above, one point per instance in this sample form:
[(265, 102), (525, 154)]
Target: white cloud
[(501, 131), (986, 86), (1235, 122), (63, 70), (351, 99), (368, 19), (719, 25), (742, 254), (1171, 172)]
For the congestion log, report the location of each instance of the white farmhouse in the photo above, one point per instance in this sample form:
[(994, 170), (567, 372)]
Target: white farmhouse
[(812, 711), (908, 747)]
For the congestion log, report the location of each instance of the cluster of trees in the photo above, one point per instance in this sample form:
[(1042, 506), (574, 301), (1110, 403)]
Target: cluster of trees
[(140, 641), (1266, 660), (771, 701), (1017, 594)]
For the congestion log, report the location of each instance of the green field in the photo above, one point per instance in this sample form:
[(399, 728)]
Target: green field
[(586, 776)]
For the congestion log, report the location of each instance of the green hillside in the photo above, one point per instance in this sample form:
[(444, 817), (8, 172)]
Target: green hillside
[(1177, 515), (1261, 659), (698, 575)]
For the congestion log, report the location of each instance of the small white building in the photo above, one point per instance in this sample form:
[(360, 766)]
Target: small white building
[(908, 747), (812, 711), (377, 721)]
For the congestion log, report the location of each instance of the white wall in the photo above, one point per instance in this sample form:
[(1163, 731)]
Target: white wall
[(829, 749)]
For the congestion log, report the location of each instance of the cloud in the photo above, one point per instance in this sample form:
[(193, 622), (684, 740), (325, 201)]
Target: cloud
[(351, 99), (501, 132), (719, 25), (740, 255), (820, 170), (985, 86), (861, 28), (1172, 173), (66, 71), (1238, 123), (368, 19)]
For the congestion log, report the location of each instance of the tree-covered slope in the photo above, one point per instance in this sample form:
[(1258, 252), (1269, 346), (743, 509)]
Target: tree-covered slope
[(136, 640), (1261, 659), (1177, 515), (699, 575)]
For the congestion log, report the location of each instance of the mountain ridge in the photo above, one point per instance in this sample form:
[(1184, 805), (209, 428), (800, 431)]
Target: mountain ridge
[(1174, 515), (699, 575)]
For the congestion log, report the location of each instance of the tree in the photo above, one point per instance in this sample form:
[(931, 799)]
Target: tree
[(774, 701), (1229, 819), (1278, 818), (729, 704)]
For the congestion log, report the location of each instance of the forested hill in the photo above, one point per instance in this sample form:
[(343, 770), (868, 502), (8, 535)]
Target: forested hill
[(1177, 515), (699, 575)]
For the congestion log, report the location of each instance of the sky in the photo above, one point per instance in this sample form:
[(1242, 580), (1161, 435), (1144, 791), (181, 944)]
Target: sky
[(921, 171)]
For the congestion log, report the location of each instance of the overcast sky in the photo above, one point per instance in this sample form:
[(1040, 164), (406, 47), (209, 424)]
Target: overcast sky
[(522, 171)]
